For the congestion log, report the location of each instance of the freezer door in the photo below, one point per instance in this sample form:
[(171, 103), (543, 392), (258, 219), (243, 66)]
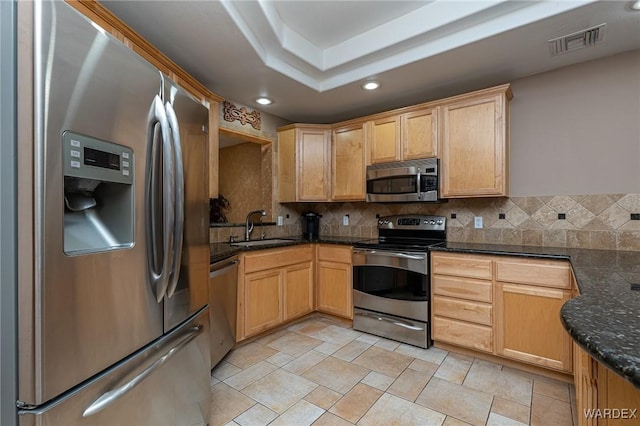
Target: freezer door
[(166, 384), (187, 290), (90, 309)]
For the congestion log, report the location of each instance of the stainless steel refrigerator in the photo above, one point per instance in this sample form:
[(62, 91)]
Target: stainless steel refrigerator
[(117, 323)]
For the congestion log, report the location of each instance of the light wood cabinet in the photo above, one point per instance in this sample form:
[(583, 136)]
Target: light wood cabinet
[(461, 308), (504, 305), (474, 144), (407, 136), (385, 139), (602, 397), (334, 280), (274, 285), (419, 134), (263, 307), (529, 295), (528, 326), (303, 163), (298, 290), (348, 163)]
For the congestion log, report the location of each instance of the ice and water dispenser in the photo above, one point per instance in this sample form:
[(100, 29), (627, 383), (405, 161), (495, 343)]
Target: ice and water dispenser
[(98, 195)]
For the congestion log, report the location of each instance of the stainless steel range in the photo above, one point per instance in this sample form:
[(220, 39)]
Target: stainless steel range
[(391, 278)]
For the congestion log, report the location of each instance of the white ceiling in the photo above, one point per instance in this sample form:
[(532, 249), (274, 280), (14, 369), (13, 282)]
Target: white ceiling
[(312, 56)]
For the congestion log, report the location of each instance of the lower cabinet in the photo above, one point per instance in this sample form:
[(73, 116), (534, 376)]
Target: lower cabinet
[(602, 397), (298, 290), (334, 290), (275, 285), (503, 305), (528, 326)]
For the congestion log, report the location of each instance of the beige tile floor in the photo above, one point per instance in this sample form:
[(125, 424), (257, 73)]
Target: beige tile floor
[(322, 372)]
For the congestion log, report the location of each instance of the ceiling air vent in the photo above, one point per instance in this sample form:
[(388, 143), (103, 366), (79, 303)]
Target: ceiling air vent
[(578, 40)]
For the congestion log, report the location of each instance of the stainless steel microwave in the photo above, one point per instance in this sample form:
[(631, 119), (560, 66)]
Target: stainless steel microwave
[(403, 181)]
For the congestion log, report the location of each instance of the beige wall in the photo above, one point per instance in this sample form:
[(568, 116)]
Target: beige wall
[(241, 179), (576, 130)]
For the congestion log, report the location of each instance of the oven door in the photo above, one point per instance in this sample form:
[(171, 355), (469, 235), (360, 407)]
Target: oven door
[(391, 295), (392, 282)]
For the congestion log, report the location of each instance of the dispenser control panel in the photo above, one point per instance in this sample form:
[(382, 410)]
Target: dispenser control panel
[(91, 158)]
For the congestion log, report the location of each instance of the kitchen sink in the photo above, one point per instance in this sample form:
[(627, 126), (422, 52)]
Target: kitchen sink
[(254, 243)]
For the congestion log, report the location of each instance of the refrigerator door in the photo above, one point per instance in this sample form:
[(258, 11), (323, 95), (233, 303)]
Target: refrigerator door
[(187, 291), (93, 301), (167, 384)]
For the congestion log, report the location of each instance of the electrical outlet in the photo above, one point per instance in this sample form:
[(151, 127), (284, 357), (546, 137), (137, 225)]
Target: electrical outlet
[(280, 221), (477, 222), (345, 219)]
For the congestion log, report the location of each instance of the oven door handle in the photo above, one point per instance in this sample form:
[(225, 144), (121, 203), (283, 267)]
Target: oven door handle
[(392, 254), (394, 321), (419, 184)]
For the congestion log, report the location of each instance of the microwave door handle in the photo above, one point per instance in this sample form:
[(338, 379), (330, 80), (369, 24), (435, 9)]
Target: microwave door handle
[(419, 184)]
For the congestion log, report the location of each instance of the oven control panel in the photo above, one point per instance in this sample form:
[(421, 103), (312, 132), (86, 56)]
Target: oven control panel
[(413, 222)]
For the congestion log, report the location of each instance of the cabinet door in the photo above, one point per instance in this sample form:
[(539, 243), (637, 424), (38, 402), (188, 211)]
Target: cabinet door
[(474, 152), (334, 290), (348, 164), (298, 290), (419, 134), (616, 393), (262, 292), (287, 166), (584, 381), (313, 165), (385, 140), (528, 326)]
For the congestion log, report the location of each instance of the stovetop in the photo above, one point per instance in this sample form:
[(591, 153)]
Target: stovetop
[(407, 233)]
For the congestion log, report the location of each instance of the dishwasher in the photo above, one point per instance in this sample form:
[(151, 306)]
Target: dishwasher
[(223, 294)]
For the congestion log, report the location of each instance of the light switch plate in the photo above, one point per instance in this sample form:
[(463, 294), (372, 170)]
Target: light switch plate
[(345, 219), (280, 221), (477, 222)]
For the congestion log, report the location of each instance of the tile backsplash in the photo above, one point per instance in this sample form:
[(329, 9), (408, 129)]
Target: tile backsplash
[(600, 221)]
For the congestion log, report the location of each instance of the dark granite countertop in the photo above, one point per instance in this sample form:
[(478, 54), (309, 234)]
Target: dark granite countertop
[(605, 318), (221, 251)]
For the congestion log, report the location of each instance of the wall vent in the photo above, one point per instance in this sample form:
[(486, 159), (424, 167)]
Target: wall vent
[(578, 40)]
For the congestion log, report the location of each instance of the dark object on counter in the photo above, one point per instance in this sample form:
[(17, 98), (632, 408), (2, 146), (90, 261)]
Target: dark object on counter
[(217, 209), (311, 225)]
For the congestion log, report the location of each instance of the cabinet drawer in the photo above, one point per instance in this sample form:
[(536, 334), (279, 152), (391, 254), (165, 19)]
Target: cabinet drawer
[(276, 258), (334, 253), (460, 333), (463, 265), (465, 310), (548, 273), (463, 288)]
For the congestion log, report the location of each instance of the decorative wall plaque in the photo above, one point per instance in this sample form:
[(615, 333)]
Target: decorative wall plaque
[(231, 113)]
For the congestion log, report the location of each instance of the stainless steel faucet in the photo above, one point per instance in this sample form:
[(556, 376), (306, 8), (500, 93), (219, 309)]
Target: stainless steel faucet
[(248, 225)]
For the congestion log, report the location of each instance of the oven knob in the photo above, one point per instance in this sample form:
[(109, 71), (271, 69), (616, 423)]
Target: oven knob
[(440, 222), (432, 222)]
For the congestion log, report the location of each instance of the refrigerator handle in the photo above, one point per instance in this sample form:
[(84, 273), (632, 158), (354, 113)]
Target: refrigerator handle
[(178, 231), (113, 395), (159, 279)]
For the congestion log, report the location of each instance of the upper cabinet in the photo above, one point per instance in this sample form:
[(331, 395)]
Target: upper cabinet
[(468, 133), (348, 163), (384, 139), (303, 163), (474, 144), (409, 136)]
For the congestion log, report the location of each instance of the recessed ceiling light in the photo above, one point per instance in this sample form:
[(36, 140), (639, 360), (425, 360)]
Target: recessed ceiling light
[(264, 101), (635, 5), (371, 85)]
